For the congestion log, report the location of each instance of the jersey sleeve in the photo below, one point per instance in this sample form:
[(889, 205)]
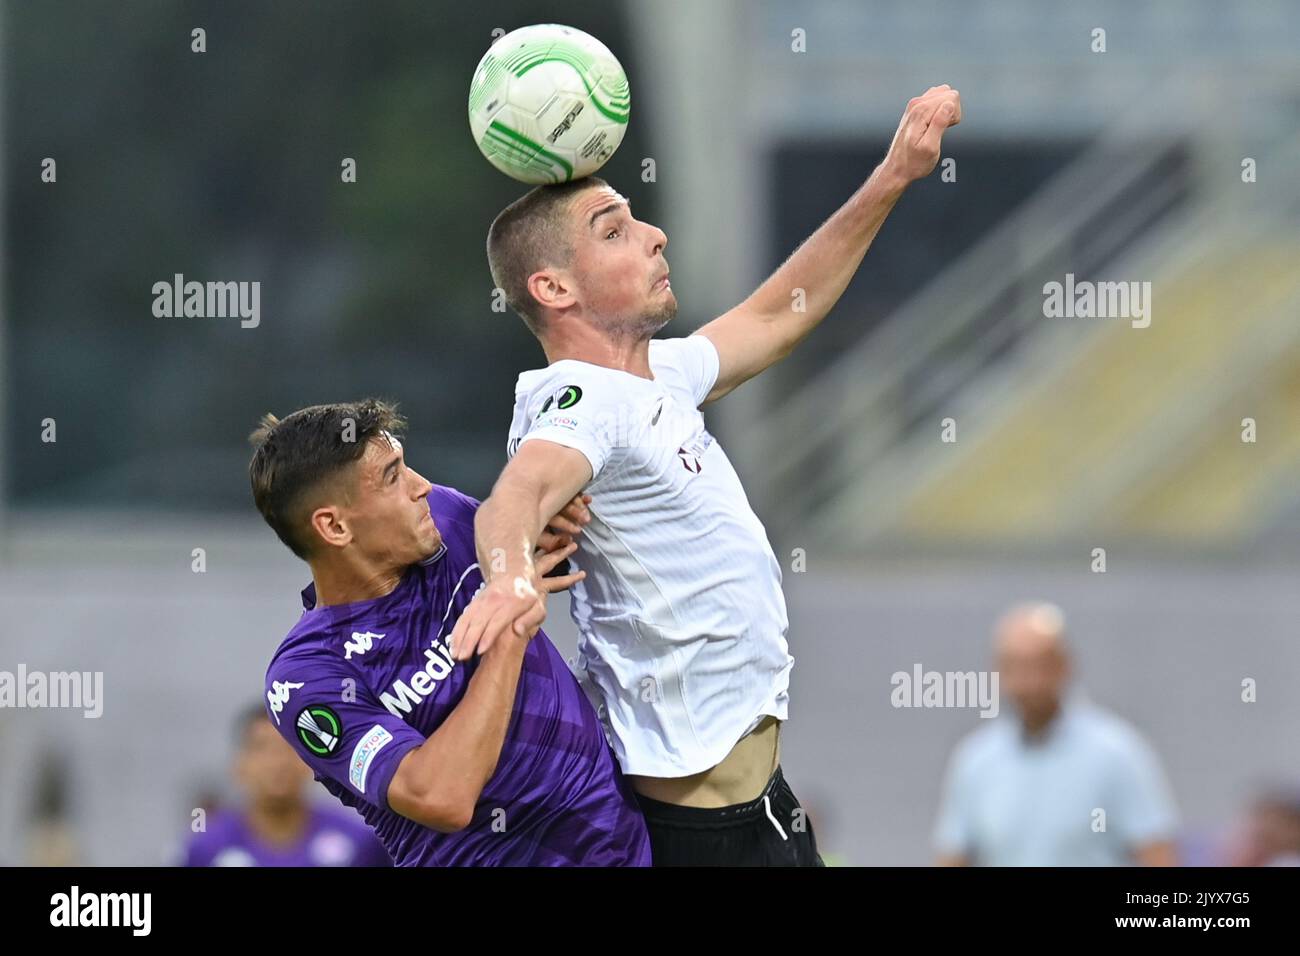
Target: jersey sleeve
[(578, 410), (689, 363), (337, 725)]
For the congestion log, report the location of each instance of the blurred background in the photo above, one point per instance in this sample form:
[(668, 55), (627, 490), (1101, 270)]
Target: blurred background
[(1168, 156)]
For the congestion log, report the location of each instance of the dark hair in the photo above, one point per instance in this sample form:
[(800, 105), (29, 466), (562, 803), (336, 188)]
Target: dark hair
[(528, 235), (298, 457)]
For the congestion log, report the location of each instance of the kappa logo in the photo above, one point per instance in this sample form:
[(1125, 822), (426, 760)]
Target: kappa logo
[(278, 696), (359, 643)]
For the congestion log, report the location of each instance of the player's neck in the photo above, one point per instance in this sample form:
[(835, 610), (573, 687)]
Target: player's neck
[(347, 584), (631, 355)]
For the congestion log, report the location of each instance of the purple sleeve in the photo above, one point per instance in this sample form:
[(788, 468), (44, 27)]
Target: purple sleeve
[(337, 725)]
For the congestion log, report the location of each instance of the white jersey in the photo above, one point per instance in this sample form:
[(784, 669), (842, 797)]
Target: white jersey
[(681, 618)]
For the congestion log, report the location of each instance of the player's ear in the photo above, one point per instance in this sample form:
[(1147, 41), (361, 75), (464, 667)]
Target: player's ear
[(551, 289), (329, 526)]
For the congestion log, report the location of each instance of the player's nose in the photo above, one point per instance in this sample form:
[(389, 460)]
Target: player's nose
[(422, 484), (658, 240)]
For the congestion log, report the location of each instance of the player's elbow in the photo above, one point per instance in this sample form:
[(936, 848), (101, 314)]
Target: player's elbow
[(436, 807), (439, 812), (449, 818)]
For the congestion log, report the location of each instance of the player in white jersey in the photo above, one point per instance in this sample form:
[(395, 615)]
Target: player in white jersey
[(681, 617)]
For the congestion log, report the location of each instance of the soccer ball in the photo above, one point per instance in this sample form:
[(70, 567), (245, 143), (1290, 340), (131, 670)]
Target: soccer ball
[(548, 103)]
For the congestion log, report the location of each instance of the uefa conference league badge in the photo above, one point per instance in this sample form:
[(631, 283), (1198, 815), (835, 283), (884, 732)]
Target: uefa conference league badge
[(319, 729)]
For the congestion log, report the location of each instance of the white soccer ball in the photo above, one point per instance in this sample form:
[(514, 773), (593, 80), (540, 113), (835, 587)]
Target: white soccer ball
[(548, 103)]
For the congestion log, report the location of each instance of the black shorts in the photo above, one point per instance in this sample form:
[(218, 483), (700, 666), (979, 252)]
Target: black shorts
[(770, 831)]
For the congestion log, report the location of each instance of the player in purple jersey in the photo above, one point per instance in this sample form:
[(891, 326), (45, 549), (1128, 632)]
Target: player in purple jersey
[(277, 824), (500, 760)]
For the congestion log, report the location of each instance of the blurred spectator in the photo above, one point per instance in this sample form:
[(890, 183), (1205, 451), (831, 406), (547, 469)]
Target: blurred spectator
[(1059, 782), (51, 841), (277, 825), (1270, 834)]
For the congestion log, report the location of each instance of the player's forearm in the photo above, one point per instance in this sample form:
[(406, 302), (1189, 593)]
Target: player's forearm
[(796, 297), (506, 528), (451, 768), (508, 524)]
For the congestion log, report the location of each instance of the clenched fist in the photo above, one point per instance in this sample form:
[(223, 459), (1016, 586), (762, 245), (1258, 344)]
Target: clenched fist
[(915, 149)]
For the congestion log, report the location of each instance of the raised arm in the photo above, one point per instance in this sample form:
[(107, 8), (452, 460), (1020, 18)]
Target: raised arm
[(540, 478), (439, 782), (766, 327)]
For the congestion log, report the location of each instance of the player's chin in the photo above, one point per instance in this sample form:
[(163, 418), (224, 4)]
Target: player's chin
[(661, 309), (430, 540)]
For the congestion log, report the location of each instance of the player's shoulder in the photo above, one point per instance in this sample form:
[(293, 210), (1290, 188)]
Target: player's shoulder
[(447, 502), (305, 640), (675, 352), (453, 513), (566, 383), (305, 655), (689, 363)]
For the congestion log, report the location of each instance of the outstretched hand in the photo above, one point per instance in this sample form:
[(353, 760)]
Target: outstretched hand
[(915, 150)]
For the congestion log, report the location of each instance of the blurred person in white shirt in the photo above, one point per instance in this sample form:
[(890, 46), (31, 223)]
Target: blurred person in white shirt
[(1057, 781)]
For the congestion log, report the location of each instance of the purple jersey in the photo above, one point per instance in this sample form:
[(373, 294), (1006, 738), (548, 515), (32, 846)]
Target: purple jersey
[(332, 837), (355, 686)]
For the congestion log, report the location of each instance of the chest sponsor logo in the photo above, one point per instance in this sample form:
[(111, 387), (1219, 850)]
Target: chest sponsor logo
[(278, 696), (692, 452), (406, 693), (359, 643)]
